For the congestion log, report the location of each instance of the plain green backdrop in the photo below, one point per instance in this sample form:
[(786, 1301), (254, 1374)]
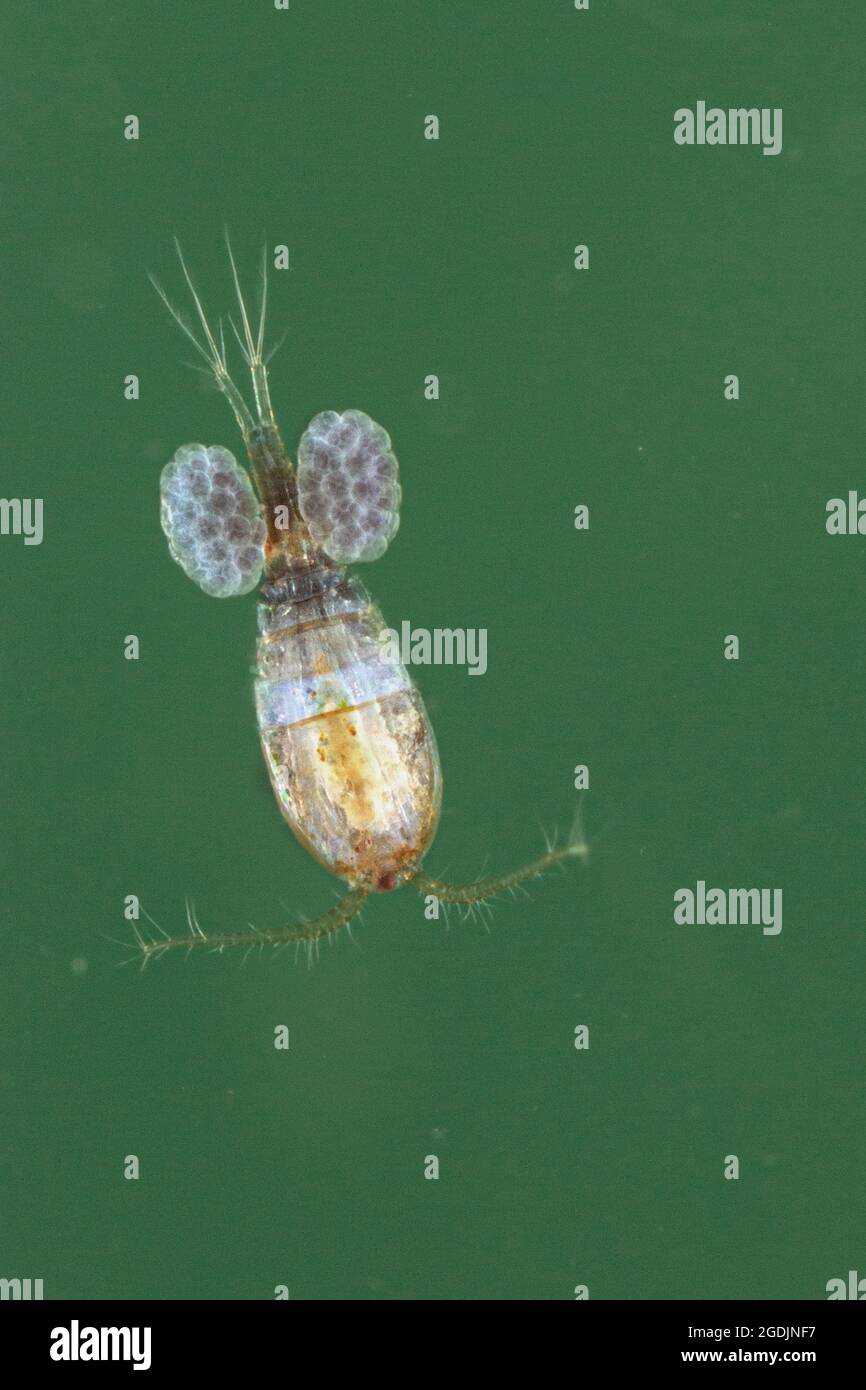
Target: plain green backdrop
[(558, 387)]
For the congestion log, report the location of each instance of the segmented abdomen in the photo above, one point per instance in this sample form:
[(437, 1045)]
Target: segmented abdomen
[(347, 742)]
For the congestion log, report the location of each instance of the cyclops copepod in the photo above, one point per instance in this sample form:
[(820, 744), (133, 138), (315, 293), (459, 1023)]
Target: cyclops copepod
[(348, 745)]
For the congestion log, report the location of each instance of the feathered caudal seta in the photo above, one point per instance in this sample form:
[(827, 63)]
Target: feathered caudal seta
[(347, 742)]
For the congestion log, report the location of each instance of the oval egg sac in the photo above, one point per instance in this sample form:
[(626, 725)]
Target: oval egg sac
[(348, 485), (212, 520)]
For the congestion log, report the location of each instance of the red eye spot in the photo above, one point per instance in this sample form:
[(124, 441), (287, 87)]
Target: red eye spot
[(387, 882)]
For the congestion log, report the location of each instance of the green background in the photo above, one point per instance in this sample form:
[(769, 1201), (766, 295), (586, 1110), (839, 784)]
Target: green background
[(558, 387)]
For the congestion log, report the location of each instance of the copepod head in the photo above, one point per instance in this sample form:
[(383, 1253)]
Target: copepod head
[(213, 520), (348, 485)]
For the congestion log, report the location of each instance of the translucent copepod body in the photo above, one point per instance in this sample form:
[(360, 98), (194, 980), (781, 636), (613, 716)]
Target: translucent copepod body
[(347, 742), (348, 745)]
